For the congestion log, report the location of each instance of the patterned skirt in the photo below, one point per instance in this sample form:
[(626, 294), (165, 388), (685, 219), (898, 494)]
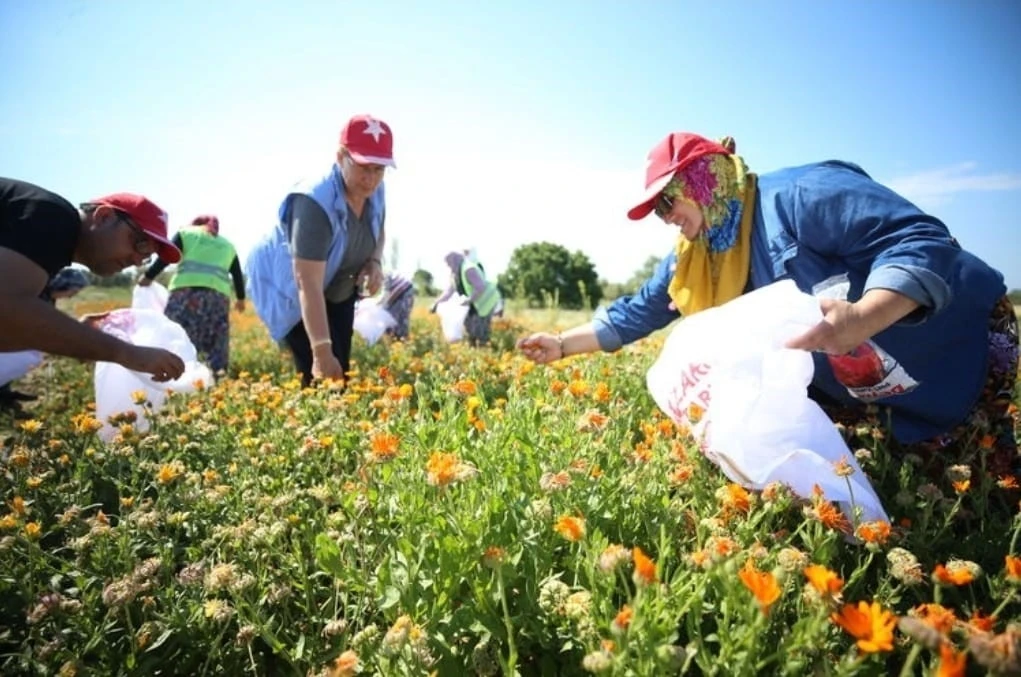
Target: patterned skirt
[(988, 436), (477, 328), (205, 315)]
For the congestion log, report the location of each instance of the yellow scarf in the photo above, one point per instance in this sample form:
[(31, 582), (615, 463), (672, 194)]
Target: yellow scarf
[(705, 279)]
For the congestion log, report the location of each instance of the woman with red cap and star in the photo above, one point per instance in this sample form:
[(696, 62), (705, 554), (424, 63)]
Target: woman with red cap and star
[(938, 310), (306, 275)]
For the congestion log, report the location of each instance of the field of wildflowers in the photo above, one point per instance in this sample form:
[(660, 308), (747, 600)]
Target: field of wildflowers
[(459, 511)]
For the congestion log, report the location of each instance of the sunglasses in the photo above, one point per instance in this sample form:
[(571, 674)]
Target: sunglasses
[(664, 205), (142, 243)]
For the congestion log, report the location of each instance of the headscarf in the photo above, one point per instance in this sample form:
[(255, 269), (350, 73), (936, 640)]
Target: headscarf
[(211, 223), (713, 269)]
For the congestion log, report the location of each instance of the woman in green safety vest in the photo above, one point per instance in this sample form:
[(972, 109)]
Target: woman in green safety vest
[(468, 279), (200, 288)]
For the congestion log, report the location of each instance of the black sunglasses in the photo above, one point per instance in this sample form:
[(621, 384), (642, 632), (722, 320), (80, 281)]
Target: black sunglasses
[(664, 205), (143, 244)]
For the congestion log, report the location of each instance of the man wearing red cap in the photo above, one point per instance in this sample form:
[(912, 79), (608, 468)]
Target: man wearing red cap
[(41, 233), (306, 275), (909, 292)]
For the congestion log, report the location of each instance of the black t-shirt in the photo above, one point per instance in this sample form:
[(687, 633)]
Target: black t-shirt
[(38, 224)]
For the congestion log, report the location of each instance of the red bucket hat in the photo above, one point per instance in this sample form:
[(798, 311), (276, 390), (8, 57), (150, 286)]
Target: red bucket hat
[(368, 140), (147, 216), (669, 156)]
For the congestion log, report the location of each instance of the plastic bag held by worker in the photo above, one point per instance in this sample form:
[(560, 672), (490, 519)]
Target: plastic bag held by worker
[(452, 314), (725, 375), (372, 320), (116, 386), (151, 297)]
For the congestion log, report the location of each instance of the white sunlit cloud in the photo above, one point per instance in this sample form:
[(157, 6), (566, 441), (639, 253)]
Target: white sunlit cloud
[(935, 187)]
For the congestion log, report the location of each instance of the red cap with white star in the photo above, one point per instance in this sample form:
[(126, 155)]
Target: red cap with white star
[(368, 140)]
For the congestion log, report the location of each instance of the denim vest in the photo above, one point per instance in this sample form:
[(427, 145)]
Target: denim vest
[(269, 269)]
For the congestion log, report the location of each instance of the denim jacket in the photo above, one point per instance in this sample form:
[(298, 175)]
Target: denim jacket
[(269, 268), (821, 221)]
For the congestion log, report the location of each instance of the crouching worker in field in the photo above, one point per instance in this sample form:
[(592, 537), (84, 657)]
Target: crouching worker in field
[(64, 285), (468, 278), (200, 288), (304, 277), (398, 300), (939, 313), (41, 233)]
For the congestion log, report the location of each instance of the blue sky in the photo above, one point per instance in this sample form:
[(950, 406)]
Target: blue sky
[(514, 122)]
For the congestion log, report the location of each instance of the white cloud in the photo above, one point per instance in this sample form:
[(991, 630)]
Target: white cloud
[(934, 187)]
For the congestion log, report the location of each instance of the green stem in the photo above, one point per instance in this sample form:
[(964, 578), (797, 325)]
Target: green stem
[(512, 649), (905, 671)]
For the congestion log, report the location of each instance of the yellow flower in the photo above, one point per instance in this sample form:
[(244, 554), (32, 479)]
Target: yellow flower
[(31, 425), (33, 530), (824, 581), (1013, 567)]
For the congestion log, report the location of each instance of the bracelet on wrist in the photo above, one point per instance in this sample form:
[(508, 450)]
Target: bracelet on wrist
[(321, 342), (560, 343)]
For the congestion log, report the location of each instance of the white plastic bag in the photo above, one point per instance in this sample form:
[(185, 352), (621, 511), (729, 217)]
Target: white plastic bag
[(725, 375), (151, 297), (452, 314), (17, 364), (116, 385), (372, 320)]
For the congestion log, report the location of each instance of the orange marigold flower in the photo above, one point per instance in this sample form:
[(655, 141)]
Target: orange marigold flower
[(936, 616), (962, 486), (980, 622), (557, 386), (953, 576), (1007, 482), (762, 584), (830, 516), (645, 568), (682, 473), (869, 623), (1013, 567), (877, 532), (443, 468), (695, 412), (383, 445), (592, 421), (346, 665), (465, 387), (578, 388), (623, 619), (987, 442), (493, 557), (952, 663), (735, 498), (601, 392), (825, 581), (571, 528)]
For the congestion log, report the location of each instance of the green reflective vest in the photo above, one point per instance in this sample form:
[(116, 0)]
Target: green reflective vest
[(205, 262), (486, 303)]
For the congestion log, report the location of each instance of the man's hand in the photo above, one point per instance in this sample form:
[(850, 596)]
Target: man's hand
[(162, 364)]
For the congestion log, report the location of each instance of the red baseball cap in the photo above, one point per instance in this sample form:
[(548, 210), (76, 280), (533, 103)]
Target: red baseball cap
[(147, 216), (368, 140), (669, 156)]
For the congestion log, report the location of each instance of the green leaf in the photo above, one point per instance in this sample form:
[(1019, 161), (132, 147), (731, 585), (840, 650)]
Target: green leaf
[(328, 556)]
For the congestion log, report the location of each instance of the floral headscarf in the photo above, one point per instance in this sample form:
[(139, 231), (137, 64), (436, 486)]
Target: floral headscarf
[(713, 269)]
